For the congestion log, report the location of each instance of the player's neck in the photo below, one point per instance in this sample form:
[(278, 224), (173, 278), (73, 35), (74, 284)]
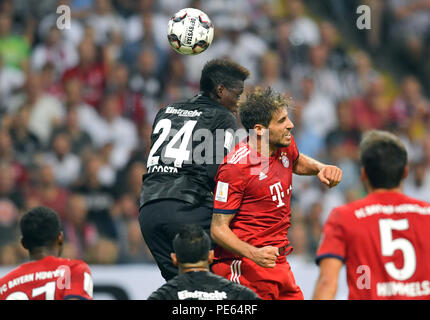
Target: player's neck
[(381, 190), (194, 267), (42, 252), (263, 148)]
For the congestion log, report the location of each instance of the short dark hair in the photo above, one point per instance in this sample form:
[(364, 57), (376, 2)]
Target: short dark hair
[(259, 107), (40, 227), (384, 158), (222, 71), (191, 244)]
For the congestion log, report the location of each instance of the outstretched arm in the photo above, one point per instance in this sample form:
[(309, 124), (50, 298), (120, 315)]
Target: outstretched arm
[(225, 237), (328, 174)]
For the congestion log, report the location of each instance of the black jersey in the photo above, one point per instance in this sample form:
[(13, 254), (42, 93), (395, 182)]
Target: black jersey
[(189, 140), (202, 285)]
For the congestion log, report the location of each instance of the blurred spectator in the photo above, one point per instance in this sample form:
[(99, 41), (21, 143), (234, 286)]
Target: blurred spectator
[(410, 108), (107, 24), (270, 72), (326, 80), (105, 251), (303, 29), (115, 130), (371, 111), (145, 81), (78, 232), (25, 143), (98, 198), (90, 71), (9, 191), (136, 250), (145, 25), (130, 102), (7, 155), (417, 184), (55, 51), (337, 57), (356, 82), (314, 226), (14, 48), (80, 141), (87, 115), (46, 111), (66, 165), (11, 80), (45, 191)]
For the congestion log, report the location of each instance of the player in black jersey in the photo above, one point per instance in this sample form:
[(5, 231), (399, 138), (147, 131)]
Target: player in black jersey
[(195, 281), (189, 140)]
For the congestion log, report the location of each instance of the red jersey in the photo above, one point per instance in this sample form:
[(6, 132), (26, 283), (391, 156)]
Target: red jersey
[(384, 242), (50, 278), (258, 190)]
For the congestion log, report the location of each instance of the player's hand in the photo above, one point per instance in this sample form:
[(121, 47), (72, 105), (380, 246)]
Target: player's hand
[(330, 175), (265, 256)]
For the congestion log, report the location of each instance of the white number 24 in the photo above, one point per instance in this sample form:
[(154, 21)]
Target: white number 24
[(179, 154), (389, 246)]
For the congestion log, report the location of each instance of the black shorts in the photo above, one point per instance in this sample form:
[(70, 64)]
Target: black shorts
[(161, 220)]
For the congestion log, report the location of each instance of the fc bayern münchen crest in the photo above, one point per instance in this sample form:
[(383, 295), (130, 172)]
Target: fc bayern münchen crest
[(285, 160)]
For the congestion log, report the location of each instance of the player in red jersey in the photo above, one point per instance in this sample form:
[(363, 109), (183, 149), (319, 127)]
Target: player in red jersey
[(46, 277), (383, 239), (252, 212)]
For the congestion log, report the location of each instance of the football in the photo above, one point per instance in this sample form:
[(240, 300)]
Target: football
[(190, 31)]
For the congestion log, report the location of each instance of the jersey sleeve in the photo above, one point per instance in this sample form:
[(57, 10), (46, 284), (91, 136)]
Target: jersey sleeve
[(81, 283), (292, 150), (332, 244), (229, 189)]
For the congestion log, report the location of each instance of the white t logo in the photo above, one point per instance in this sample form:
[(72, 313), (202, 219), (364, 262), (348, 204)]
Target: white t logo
[(279, 193)]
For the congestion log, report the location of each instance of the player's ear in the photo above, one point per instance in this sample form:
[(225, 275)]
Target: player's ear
[(405, 172), (363, 174), (211, 256), (23, 243), (219, 91), (174, 259), (259, 129), (60, 239)]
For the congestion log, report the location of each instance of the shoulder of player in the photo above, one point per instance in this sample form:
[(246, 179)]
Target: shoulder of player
[(74, 263)]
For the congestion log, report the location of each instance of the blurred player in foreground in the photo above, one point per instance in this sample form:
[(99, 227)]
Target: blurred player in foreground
[(383, 239), (195, 282), (252, 209), (46, 276)]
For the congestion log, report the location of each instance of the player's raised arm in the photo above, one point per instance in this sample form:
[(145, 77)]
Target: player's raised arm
[(328, 174), (223, 236)]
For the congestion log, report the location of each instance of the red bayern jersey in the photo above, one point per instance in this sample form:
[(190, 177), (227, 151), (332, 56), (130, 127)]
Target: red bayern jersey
[(384, 242), (50, 278), (258, 190)]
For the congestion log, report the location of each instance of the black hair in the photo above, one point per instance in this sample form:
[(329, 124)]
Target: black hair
[(40, 227), (222, 71), (384, 158), (191, 244), (259, 107)]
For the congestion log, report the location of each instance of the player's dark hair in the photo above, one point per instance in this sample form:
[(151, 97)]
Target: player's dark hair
[(191, 244), (384, 158), (222, 71), (40, 227), (259, 107)]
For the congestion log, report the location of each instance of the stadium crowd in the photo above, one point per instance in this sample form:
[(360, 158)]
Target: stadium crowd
[(77, 105)]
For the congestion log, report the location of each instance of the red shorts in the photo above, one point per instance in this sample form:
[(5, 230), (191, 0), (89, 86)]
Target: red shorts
[(276, 283)]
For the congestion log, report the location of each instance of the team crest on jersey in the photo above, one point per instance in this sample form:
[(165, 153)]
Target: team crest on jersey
[(285, 160)]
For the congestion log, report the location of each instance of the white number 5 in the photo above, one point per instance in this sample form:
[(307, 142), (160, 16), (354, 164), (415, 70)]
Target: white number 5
[(389, 246)]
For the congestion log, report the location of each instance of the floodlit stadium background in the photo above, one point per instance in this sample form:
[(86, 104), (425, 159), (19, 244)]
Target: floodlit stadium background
[(76, 105)]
